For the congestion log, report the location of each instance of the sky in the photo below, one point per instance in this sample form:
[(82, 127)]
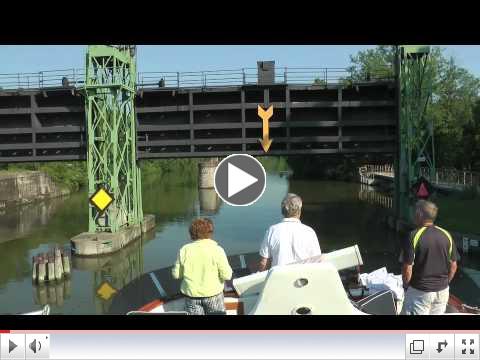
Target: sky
[(34, 58)]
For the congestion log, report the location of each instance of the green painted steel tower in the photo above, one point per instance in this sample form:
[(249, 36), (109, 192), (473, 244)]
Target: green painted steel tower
[(414, 71), (111, 132)]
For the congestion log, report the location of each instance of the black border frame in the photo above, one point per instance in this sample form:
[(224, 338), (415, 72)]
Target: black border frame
[(366, 26), (287, 322)]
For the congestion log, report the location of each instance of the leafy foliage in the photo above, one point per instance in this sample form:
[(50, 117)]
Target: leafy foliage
[(373, 63), (70, 175), (185, 170), (454, 109), (319, 82)]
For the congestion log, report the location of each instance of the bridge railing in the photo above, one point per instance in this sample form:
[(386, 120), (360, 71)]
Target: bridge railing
[(197, 79), (450, 176), (443, 176), (249, 76), (370, 170), (235, 77), (43, 79)]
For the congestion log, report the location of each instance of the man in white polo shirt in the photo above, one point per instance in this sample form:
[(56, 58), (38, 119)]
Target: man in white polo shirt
[(290, 240)]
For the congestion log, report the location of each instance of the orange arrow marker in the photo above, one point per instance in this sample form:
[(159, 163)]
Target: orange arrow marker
[(265, 115)]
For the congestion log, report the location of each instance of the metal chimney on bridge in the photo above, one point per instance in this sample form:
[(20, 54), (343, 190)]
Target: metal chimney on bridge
[(266, 72)]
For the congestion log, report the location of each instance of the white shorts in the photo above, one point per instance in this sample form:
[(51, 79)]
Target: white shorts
[(425, 303)]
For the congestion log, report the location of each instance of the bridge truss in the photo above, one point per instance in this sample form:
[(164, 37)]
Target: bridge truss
[(416, 142), (111, 136)]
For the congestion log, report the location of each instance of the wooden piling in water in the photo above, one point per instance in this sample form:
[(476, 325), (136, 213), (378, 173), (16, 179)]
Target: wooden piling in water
[(58, 265), (54, 265), (42, 271), (34, 268), (66, 262), (51, 268)]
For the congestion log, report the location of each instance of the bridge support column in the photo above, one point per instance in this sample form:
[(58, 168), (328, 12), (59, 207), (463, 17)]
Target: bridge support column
[(209, 201), (208, 198), (206, 172)]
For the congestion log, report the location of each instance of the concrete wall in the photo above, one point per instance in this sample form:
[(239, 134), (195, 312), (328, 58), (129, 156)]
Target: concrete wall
[(25, 187)]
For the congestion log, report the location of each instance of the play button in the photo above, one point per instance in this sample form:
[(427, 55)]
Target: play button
[(11, 346), (240, 180)]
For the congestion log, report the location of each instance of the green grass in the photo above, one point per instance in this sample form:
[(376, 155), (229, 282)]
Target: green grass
[(459, 213)]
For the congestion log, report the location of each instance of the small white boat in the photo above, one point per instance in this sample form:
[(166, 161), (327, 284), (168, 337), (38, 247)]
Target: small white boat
[(44, 311)]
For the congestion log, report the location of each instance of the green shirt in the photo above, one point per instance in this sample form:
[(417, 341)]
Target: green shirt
[(203, 267)]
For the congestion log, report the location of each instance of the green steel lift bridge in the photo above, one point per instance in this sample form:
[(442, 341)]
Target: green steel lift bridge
[(414, 70), (113, 171), (111, 156)]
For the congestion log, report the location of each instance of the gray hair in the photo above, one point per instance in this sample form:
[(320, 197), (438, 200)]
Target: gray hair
[(292, 205), (426, 210)]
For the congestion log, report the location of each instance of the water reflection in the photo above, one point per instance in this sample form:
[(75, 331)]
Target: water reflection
[(209, 201), (341, 220), (113, 271), (369, 194), (53, 294), (169, 198), (29, 230), (19, 221), (335, 210)]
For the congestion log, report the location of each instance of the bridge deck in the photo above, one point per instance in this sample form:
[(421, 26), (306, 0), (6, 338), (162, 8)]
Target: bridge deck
[(49, 124)]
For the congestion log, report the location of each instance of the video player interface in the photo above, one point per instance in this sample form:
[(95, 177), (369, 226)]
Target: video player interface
[(228, 344)]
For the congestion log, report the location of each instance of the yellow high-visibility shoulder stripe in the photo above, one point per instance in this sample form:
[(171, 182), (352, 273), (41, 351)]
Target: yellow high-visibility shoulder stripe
[(417, 236), (450, 249)]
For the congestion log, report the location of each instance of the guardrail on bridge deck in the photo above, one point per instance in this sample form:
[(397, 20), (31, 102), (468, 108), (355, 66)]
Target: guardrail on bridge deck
[(211, 78)]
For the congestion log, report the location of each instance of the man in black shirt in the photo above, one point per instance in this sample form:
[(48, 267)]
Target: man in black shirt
[(429, 264)]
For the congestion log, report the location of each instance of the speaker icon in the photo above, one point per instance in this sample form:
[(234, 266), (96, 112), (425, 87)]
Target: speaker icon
[(35, 346)]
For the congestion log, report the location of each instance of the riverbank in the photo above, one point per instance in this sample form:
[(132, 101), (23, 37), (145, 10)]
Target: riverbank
[(26, 187), (28, 182), (457, 211), (71, 176)]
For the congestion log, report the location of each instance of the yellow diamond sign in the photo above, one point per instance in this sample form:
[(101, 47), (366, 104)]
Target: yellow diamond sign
[(106, 291), (101, 199)]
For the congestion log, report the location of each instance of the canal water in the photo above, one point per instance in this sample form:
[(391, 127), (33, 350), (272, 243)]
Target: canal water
[(343, 214)]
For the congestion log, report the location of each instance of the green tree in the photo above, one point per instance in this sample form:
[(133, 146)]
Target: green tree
[(373, 63), (452, 111), (455, 95), (471, 140), (319, 82)]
